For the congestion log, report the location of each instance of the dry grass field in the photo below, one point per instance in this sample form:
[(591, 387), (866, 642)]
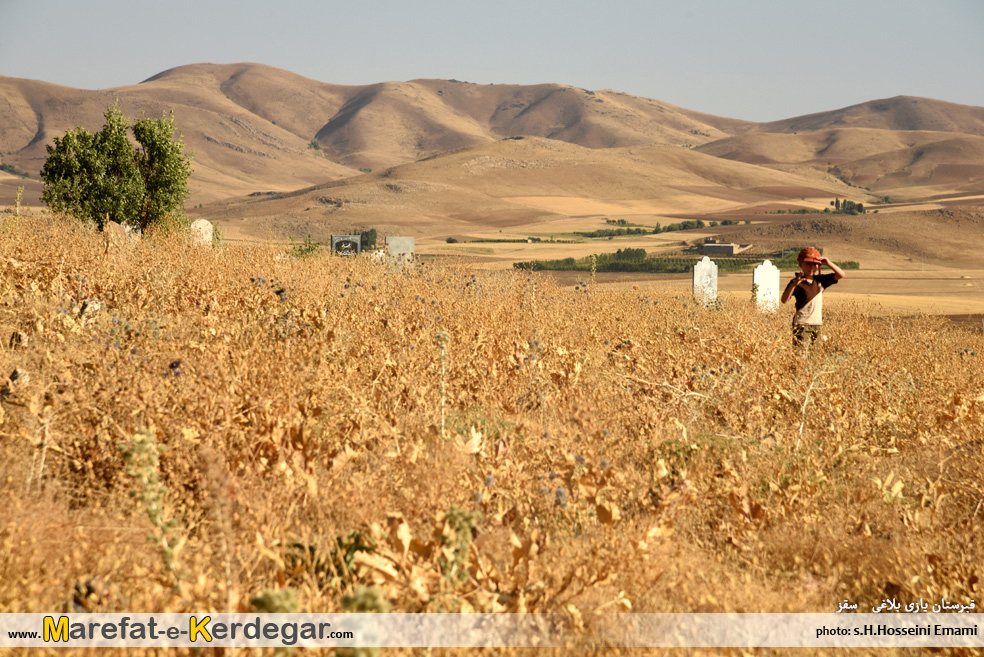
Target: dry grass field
[(192, 429), (242, 428)]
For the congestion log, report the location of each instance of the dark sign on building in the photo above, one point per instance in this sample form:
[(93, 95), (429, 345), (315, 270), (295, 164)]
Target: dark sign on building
[(346, 245)]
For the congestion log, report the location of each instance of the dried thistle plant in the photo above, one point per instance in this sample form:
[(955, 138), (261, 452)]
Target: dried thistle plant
[(442, 338), (142, 455), (220, 507)]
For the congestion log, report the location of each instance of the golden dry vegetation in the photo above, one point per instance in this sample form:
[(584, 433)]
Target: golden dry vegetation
[(193, 429)]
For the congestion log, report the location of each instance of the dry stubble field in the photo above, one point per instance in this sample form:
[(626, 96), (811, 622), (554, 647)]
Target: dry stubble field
[(911, 262), (322, 434)]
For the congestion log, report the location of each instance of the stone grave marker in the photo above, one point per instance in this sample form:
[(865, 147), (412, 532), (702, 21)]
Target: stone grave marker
[(765, 286), (202, 232), (706, 280), (401, 247), (346, 245), (118, 235)]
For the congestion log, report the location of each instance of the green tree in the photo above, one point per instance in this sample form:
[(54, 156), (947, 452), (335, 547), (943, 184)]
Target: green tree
[(100, 176), (164, 168), (368, 238)]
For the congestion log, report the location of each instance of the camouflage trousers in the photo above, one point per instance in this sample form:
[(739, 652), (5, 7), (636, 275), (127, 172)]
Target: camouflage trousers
[(804, 335)]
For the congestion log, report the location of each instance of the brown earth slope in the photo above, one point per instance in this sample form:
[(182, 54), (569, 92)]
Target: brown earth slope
[(898, 113), (235, 151), (911, 146), (528, 181), (879, 160), (946, 237), (257, 129)]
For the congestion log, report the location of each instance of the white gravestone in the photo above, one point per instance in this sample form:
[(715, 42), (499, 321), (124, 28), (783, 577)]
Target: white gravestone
[(202, 232), (765, 286), (401, 250), (118, 235), (401, 247), (706, 280)]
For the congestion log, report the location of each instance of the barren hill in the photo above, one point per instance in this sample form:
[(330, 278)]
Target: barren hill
[(287, 100), (943, 237), (395, 122), (910, 146), (235, 151), (526, 182), (880, 160), (257, 130), (899, 113)]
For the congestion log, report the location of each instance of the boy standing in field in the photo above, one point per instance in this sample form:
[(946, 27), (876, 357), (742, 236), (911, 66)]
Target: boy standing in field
[(807, 288)]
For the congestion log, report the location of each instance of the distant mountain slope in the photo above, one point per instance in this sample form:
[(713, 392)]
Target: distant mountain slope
[(393, 122), (290, 101), (899, 113), (956, 163), (879, 160), (941, 236), (255, 128), (252, 126), (527, 181), (235, 151)]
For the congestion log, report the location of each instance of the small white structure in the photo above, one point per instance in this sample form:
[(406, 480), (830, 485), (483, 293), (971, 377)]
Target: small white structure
[(716, 247), (765, 286), (402, 251), (202, 232), (401, 247), (706, 281)]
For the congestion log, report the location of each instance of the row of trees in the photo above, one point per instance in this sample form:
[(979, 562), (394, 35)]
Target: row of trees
[(658, 228), (636, 260), (630, 260), (847, 207), (101, 176)]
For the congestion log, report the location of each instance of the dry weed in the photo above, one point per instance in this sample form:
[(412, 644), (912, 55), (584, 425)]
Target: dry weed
[(453, 441)]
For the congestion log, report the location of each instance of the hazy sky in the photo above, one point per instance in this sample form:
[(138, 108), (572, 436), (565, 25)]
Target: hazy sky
[(758, 60)]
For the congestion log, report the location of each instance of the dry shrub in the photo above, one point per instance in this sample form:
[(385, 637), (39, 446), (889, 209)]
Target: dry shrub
[(559, 451)]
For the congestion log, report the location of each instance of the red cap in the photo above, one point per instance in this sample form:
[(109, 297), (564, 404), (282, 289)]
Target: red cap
[(809, 255)]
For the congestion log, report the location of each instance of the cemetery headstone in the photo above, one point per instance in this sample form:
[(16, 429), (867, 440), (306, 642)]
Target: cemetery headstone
[(765, 286), (202, 232), (400, 246), (118, 235), (706, 280), (346, 245)]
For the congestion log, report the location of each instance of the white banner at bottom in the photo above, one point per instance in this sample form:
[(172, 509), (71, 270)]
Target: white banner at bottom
[(491, 630)]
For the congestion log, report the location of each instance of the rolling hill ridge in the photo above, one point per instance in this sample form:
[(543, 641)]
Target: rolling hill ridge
[(254, 128)]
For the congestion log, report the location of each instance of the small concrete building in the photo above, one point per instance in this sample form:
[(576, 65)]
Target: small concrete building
[(715, 247)]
